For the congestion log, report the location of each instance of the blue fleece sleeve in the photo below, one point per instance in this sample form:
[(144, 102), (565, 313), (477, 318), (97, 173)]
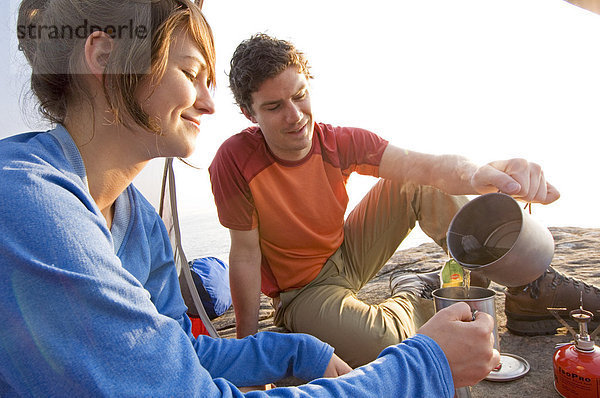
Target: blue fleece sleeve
[(415, 368), (264, 358)]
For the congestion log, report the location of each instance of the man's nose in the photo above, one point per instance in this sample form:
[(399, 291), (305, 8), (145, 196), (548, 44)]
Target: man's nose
[(293, 114)]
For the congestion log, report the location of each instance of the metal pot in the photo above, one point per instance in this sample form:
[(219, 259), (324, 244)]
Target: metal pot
[(494, 235)]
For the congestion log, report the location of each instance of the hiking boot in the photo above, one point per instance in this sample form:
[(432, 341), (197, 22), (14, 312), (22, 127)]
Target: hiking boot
[(421, 285), (526, 307)]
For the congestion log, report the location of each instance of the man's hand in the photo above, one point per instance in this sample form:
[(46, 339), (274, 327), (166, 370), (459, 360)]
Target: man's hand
[(516, 177), (468, 344), (336, 367)]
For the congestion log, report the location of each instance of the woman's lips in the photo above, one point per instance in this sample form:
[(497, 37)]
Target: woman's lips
[(193, 120)]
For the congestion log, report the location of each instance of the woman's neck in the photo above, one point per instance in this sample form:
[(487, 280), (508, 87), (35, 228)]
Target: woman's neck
[(109, 157)]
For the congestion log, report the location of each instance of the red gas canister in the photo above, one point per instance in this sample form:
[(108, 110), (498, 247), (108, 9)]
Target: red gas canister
[(577, 364)]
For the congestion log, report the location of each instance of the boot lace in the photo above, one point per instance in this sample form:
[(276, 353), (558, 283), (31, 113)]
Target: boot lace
[(534, 287), (428, 291)]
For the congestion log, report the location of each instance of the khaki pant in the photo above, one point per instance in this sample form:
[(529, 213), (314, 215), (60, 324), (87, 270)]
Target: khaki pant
[(328, 307)]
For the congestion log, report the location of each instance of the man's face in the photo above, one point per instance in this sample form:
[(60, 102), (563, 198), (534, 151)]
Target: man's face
[(281, 107)]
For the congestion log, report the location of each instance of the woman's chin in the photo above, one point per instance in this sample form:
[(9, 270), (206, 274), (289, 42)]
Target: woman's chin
[(187, 151)]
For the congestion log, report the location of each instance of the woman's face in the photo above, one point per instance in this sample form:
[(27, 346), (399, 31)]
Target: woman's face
[(179, 100)]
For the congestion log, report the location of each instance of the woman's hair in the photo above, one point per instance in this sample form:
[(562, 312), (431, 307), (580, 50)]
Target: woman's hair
[(52, 35), (260, 58)]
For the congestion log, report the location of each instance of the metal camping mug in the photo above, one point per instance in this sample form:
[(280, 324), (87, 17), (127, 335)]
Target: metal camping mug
[(516, 248), (479, 299)]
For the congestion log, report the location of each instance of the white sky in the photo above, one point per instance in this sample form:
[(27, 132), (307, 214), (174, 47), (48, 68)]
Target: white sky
[(488, 79)]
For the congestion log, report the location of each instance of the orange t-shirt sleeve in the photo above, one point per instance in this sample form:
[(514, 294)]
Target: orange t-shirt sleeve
[(232, 168), (359, 150)]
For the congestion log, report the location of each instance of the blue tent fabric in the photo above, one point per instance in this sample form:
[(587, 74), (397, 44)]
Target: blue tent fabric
[(211, 277)]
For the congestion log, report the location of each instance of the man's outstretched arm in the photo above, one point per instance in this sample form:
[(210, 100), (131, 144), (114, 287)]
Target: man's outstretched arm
[(244, 278), (457, 175)]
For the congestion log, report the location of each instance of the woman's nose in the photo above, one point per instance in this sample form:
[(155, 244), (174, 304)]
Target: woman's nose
[(204, 101)]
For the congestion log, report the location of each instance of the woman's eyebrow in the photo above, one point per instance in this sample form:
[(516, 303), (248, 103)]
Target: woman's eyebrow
[(196, 59)]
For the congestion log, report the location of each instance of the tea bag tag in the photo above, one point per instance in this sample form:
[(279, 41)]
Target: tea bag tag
[(451, 274)]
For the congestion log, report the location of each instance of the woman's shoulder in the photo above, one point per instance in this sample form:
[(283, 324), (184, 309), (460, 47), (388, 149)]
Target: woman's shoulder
[(31, 150), (39, 172)]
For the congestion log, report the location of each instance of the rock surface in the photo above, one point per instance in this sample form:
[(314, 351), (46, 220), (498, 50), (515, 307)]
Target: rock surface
[(577, 254)]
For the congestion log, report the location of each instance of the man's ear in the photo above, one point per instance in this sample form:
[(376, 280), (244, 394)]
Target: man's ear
[(98, 47), (248, 115)]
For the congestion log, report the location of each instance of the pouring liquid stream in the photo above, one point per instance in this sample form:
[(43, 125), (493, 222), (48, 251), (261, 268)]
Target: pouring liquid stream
[(467, 282)]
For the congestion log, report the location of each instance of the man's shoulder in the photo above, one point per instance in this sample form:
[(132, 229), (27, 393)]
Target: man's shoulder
[(245, 154), (343, 137), (250, 138), (347, 147), (241, 146), (330, 131)]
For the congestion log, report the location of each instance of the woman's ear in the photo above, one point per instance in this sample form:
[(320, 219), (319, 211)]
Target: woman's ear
[(98, 47)]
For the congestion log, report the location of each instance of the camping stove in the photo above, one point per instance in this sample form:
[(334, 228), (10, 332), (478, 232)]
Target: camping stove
[(577, 363)]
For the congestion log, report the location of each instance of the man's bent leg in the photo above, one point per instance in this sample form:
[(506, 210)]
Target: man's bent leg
[(357, 331), (328, 308), (383, 218)]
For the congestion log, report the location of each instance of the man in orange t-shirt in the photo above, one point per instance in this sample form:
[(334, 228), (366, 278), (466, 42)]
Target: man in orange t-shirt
[(280, 188)]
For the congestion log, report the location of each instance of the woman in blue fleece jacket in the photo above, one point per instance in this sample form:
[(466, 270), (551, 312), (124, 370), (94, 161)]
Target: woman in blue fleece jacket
[(89, 296)]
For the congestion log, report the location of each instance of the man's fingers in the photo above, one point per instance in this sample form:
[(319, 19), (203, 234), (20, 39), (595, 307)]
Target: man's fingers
[(542, 192), (516, 177), (493, 178), (537, 188), (552, 194)]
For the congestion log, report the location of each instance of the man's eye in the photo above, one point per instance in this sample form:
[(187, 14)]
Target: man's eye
[(301, 96), (273, 108)]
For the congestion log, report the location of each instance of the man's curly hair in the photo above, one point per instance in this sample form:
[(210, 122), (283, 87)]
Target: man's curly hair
[(260, 58)]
